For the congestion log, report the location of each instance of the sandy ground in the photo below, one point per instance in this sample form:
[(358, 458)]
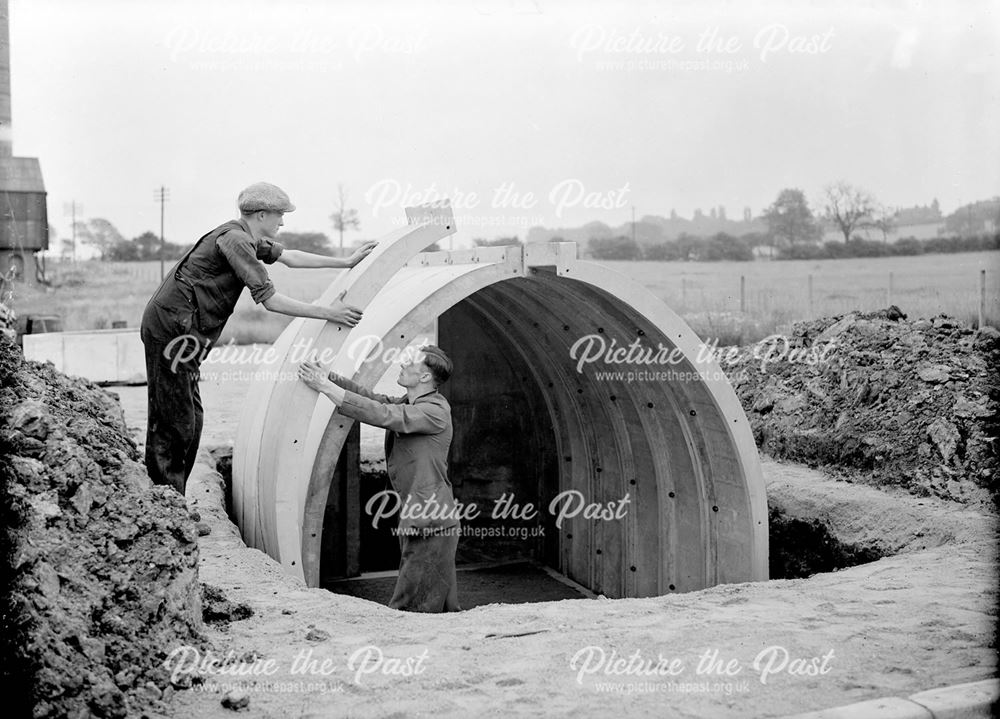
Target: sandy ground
[(921, 619), (918, 620)]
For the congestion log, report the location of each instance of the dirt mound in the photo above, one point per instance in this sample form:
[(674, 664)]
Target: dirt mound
[(216, 608), (893, 402), (100, 569)]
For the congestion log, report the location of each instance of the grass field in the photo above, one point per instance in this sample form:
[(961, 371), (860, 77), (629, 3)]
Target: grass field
[(708, 295), (93, 295)]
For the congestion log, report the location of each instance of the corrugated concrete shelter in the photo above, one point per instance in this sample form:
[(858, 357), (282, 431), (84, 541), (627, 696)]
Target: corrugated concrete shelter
[(531, 421)]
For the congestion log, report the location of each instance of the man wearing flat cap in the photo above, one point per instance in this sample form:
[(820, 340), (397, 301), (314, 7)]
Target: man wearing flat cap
[(194, 302)]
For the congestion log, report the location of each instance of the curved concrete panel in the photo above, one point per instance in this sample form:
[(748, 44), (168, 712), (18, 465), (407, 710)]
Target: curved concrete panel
[(276, 396)]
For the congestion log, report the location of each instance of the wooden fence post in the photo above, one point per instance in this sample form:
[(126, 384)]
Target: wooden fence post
[(982, 298)]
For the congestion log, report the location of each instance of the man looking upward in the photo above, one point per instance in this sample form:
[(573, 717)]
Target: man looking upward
[(417, 439)]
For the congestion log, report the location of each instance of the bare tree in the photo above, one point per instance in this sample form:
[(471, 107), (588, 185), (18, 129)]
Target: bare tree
[(848, 207), (344, 218)]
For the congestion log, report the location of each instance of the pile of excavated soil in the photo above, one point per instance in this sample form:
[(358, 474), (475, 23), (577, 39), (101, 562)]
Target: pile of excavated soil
[(895, 402), (100, 575)]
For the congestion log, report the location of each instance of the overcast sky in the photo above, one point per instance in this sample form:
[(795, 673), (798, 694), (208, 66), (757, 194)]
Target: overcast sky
[(592, 108)]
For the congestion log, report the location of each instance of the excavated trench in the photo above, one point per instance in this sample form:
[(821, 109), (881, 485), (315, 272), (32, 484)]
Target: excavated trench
[(803, 547), (800, 546)]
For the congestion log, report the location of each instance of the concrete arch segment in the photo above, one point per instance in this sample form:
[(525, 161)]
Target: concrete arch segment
[(262, 435)]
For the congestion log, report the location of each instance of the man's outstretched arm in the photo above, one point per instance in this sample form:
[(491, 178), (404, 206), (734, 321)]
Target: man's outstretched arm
[(422, 418), (352, 386), (340, 313), (300, 258), (425, 418), (247, 261)]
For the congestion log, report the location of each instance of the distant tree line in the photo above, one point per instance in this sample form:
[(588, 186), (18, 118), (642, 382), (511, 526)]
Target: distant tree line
[(499, 241), (741, 249), (794, 232), (144, 248), (103, 236), (106, 239), (902, 247), (315, 242), (685, 248)]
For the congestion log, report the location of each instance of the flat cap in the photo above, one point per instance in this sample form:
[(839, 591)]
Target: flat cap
[(264, 196)]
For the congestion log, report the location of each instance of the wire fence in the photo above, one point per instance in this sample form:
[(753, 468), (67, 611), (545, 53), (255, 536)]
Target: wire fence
[(762, 296), (816, 296)]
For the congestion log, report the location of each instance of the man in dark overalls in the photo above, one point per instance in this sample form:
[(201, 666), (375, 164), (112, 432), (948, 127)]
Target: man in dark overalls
[(187, 313)]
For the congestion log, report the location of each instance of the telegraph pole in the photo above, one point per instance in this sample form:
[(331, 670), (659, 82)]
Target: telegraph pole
[(70, 209), (161, 195)]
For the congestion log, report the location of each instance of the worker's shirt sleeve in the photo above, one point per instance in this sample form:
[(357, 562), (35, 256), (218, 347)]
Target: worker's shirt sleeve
[(420, 418), (241, 252), (268, 251), (352, 386)]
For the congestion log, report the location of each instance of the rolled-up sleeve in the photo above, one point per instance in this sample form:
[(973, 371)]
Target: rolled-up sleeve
[(421, 418), (268, 251), (241, 253)]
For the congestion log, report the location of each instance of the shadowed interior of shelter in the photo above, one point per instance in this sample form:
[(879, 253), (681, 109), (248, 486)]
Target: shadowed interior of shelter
[(532, 427), (502, 464)]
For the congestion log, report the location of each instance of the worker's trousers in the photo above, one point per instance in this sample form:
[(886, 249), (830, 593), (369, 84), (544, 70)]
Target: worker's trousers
[(175, 418)]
